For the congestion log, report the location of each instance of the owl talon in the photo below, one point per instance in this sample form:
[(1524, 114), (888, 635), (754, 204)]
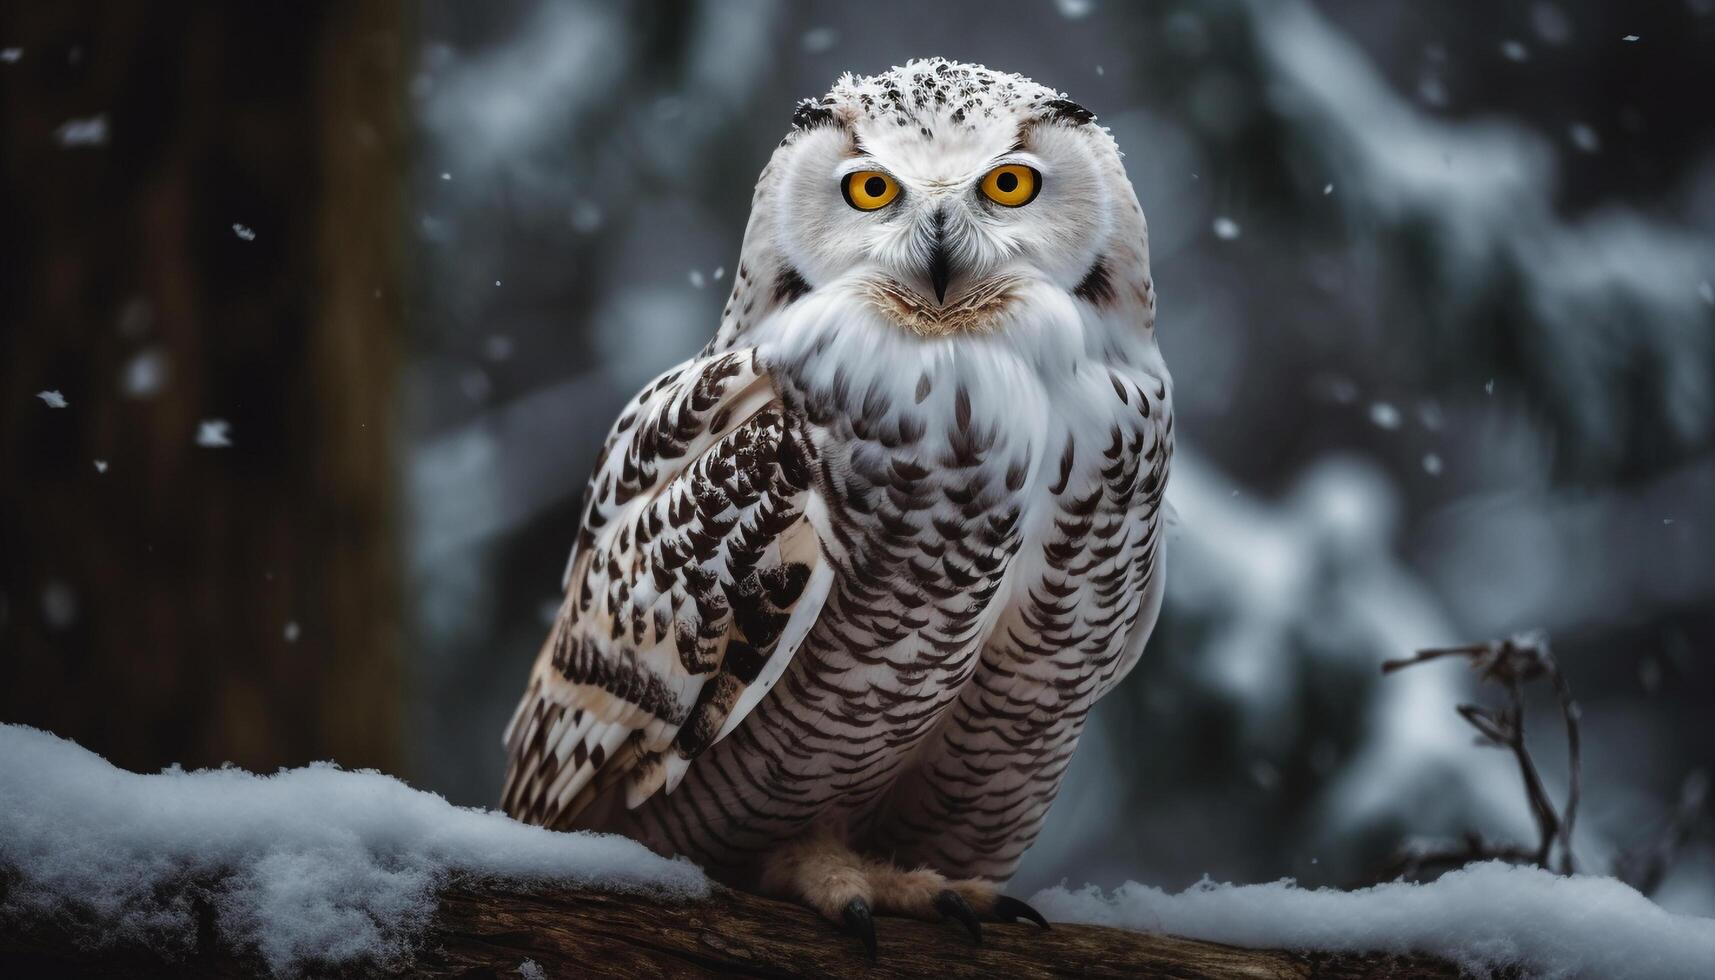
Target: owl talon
[(861, 922), (1009, 909), (952, 905)]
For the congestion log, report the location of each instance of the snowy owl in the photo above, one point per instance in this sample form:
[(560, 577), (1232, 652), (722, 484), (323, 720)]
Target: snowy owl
[(849, 580)]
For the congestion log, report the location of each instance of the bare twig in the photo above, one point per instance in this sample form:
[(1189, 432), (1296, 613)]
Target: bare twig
[(1511, 663)]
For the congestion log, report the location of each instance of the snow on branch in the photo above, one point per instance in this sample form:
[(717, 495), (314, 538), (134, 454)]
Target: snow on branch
[(321, 871), (307, 866)]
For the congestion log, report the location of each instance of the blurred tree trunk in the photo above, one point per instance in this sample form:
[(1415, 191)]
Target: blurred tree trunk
[(221, 245)]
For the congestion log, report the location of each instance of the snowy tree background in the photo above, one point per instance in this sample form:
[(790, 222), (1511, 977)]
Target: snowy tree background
[(1435, 292), (1436, 289)]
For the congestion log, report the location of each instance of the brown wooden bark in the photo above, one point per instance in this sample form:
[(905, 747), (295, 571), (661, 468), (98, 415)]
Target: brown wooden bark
[(186, 564), (483, 931)]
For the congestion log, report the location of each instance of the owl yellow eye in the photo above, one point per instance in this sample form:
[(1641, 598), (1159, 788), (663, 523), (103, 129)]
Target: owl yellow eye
[(1013, 185), (868, 190)]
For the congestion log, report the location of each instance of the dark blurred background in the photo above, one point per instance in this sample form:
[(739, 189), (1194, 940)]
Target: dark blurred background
[(314, 315)]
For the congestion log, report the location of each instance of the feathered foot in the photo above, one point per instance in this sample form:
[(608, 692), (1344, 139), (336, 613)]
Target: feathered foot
[(821, 871)]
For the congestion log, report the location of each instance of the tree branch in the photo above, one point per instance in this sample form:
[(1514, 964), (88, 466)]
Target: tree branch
[(490, 930)]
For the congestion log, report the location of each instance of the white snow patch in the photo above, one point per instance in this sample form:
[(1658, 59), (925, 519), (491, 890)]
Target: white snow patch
[(52, 399), (306, 866), (1630, 38), (1484, 916), (1225, 229), (532, 970), (214, 433), (244, 231), (83, 132)]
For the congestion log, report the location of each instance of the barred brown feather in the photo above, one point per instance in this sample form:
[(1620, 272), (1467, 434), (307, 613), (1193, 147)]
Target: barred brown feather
[(692, 562)]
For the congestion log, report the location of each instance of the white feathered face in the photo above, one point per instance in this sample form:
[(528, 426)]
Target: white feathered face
[(939, 210)]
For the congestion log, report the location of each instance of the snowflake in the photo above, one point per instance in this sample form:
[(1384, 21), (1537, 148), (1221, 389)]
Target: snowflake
[(52, 399), (59, 605), (1226, 229), (244, 232), (1584, 137), (214, 433), (83, 132), (145, 374)]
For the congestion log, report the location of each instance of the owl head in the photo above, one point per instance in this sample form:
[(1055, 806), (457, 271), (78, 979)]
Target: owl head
[(938, 190)]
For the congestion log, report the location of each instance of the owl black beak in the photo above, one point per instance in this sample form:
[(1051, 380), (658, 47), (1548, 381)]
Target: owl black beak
[(940, 267), (939, 272)]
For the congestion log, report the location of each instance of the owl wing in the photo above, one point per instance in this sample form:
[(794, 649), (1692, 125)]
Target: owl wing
[(694, 579)]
